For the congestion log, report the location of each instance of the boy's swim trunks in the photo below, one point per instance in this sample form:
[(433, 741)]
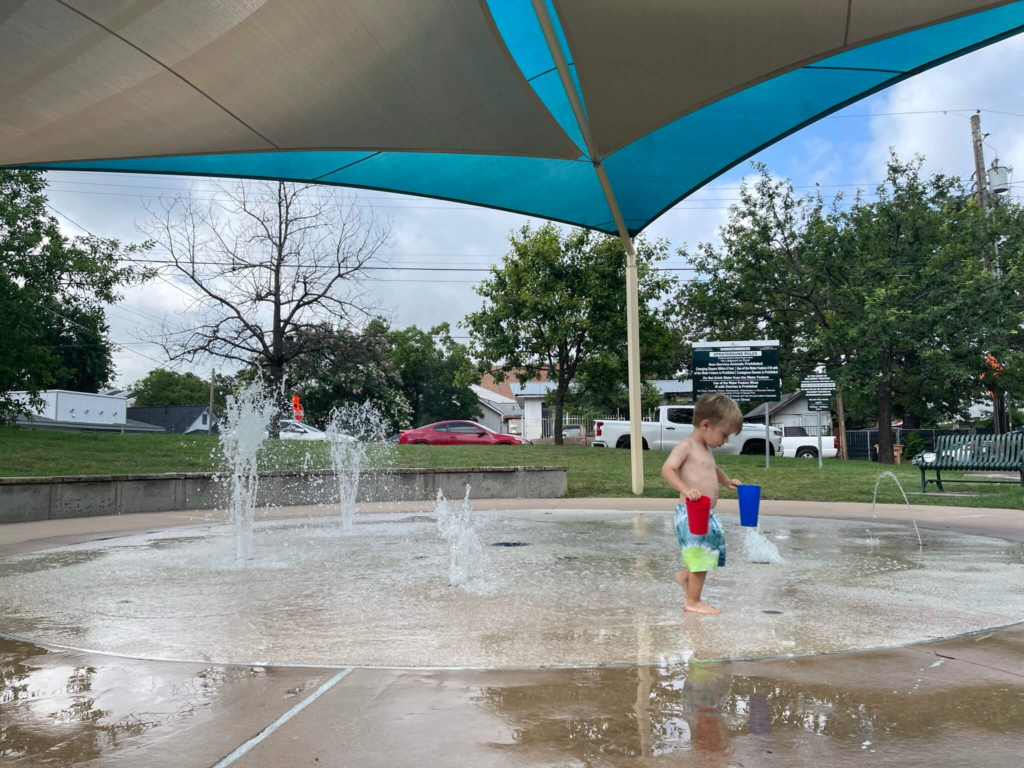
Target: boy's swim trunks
[(700, 553)]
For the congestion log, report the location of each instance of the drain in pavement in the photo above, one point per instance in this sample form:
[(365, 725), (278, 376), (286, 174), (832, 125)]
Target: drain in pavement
[(510, 544)]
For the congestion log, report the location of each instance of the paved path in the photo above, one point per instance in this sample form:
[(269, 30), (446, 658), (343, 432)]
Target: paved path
[(943, 704)]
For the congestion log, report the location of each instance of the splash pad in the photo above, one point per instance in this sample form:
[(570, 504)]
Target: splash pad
[(559, 588)]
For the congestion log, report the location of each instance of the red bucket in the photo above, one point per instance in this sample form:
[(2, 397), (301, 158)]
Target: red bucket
[(698, 515)]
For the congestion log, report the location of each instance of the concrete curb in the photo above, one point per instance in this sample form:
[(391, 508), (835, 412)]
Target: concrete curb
[(32, 499)]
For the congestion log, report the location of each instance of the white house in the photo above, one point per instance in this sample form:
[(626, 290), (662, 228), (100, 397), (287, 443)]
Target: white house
[(531, 399), (791, 411), (500, 414), (80, 407), (64, 410), (672, 391)]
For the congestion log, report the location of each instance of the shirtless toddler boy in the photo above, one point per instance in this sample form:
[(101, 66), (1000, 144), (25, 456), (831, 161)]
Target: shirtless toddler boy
[(692, 471)]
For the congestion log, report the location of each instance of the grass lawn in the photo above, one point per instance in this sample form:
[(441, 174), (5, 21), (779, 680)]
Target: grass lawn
[(592, 471)]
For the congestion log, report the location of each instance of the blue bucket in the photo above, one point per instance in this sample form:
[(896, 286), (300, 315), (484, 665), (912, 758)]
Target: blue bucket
[(750, 501)]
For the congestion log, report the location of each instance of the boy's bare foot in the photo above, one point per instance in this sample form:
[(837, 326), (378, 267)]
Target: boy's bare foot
[(682, 578), (700, 608)]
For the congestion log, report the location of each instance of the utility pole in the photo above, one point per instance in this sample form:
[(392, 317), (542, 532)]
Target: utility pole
[(979, 166), (981, 178), (209, 418)]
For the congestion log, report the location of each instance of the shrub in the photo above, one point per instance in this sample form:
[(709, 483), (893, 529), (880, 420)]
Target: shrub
[(913, 444)]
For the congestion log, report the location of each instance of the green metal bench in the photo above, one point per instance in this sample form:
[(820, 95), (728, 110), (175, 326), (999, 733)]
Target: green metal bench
[(984, 453)]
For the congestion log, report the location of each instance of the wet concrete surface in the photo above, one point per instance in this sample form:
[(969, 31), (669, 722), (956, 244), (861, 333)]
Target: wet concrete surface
[(906, 707), (62, 708), (949, 703)]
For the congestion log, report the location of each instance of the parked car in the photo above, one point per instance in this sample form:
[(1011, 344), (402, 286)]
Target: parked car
[(797, 444), (297, 430), (983, 445), (572, 434), (458, 433), (674, 424)]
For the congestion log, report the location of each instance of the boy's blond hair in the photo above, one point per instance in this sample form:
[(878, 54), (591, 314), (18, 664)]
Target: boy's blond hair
[(720, 410)]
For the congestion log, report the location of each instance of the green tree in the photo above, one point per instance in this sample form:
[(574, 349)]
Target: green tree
[(892, 295), (163, 387), (600, 386), (52, 292), (436, 373), (350, 367), (558, 303)]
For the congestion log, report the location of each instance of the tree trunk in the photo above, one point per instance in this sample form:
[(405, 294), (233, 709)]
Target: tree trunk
[(842, 425), (559, 414), (885, 453), (911, 420), (278, 397)]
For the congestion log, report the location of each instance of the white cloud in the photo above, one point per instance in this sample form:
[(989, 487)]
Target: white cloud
[(987, 79)]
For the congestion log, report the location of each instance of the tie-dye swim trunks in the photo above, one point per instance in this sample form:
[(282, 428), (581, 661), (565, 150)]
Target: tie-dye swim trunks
[(700, 553)]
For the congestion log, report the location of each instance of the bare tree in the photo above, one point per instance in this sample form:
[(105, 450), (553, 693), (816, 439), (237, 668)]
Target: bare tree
[(262, 262)]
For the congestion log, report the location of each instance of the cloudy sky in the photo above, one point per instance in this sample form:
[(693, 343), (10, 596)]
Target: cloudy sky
[(842, 152)]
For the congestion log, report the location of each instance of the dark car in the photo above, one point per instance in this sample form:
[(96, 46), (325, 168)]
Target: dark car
[(457, 433)]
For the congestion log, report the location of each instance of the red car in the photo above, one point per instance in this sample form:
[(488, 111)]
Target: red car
[(458, 433)]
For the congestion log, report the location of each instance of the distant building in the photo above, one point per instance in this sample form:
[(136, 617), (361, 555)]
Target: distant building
[(176, 419), (791, 411), (530, 397), (501, 414), (67, 411), (511, 381), (673, 391)]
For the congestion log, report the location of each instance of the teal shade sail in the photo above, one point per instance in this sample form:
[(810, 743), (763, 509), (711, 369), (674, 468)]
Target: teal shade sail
[(457, 99)]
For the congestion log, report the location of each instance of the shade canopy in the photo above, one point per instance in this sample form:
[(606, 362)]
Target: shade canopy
[(456, 99)]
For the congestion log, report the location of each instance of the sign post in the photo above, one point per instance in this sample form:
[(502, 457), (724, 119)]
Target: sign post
[(744, 370), (818, 388)]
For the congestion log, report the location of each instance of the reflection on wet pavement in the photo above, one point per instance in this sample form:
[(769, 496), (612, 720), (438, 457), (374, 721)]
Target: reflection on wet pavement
[(889, 708), (605, 716), (910, 707), (63, 708)]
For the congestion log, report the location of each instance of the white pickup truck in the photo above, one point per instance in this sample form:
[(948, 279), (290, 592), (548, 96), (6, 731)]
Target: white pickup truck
[(674, 424), (797, 444)]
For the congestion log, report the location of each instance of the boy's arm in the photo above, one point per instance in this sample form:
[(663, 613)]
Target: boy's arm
[(725, 480), (670, 470)]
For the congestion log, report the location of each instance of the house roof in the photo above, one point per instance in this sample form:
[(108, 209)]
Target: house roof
[(172, 418), (490, 396), (671, 386), (499, 404), (503, 409), (533, 388), (45, 422), (775, 407), (505, 388)]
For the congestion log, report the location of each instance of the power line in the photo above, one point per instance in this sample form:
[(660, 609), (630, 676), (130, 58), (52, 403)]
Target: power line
[(91, 330), (101, 344), (389, 268), (951, 112)]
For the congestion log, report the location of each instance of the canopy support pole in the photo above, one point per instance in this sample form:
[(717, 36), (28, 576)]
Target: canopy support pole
[(636, 432), (636, 440)]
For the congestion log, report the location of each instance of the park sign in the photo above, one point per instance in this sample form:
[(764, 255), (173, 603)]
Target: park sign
[(743, 370), (819, 389)]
